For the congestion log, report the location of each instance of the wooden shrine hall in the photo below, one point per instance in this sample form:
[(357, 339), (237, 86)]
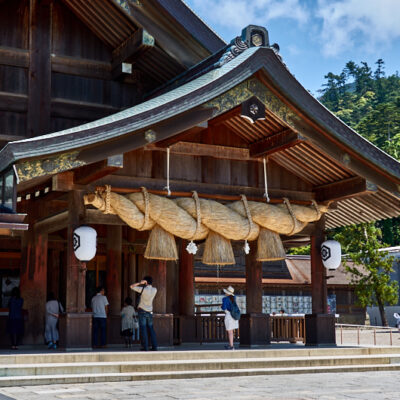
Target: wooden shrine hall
[(136, 119)]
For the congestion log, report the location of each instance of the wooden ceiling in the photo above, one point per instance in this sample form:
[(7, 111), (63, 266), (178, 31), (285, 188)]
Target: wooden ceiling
[(355, 204)]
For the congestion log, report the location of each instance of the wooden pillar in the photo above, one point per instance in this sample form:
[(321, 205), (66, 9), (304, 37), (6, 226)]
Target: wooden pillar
[(75, 325), (33, 284), (318, 272), (254, 325), (114, 261), (39, 81), (320, 326), (158, 271), (76, 276), (254, 289), (53, 273), (186, 281)]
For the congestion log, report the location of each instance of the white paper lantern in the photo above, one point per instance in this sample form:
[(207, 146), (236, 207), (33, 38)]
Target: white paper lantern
[(331, 254), (85, 243)]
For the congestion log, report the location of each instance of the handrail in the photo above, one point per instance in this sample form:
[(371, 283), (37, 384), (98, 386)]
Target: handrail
[(359, 328)]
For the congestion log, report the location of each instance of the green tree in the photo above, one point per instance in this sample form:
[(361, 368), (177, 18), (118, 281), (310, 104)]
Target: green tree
[(370, 273)]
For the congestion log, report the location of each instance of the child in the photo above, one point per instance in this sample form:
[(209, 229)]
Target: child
[(128, 317)]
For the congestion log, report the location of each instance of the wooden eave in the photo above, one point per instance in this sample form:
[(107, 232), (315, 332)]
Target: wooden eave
[(184, 40)]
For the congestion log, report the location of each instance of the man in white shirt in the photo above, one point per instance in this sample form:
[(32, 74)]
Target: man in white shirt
[(145, 311), (100, 310)]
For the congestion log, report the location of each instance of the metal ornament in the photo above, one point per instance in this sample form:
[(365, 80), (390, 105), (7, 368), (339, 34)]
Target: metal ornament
[(192, 248), (253, 110)]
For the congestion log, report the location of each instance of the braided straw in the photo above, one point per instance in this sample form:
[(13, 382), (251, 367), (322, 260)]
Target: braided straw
[(290, 209), (198, 214), (246, 207), (108, 200), (146, 207), (314, 203)]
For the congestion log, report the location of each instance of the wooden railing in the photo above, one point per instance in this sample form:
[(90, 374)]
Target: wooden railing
[(285, 328), (211, 328)]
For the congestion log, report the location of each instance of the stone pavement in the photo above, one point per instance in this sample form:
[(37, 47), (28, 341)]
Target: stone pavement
[(366, 386)]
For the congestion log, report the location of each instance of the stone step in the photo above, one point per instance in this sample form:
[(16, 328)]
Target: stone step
[(110, 356), (84, 368), (132, 376)]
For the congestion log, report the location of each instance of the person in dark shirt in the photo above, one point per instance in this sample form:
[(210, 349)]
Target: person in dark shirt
[(15, 323)]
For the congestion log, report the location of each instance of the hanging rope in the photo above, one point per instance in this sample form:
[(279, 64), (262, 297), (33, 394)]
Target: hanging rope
[(146, 207), (246, 247), (108, 200), (265, 180), (314, 203), (167, 187), (191, 248), (291, 212)]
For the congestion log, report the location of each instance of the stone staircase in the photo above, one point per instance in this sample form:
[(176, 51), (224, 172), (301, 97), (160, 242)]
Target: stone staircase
[(62, 368)]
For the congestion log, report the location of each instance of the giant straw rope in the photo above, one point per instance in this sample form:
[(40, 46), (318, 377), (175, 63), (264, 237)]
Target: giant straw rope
[(198, 219)]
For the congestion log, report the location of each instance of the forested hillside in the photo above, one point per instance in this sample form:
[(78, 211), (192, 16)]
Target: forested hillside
[(369, 102)]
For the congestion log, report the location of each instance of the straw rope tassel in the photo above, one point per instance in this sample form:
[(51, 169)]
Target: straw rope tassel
[(191, 248), (246, 247), (167, 188), (265, 180)]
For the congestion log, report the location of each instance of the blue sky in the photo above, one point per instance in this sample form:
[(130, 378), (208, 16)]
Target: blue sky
[(315, 36)]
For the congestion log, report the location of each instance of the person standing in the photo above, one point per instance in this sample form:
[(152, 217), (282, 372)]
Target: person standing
[(145, 310), (128, 316), (15, 322), (230, 323), (100, 311), (53, 311)]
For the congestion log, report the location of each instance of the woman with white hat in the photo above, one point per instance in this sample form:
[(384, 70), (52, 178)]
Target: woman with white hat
[(230, 323)]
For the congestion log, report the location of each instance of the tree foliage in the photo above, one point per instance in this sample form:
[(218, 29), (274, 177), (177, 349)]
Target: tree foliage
[(369, 102), (370, 273)]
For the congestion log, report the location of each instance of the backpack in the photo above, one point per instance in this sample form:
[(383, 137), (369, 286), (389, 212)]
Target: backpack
[(235, 311)]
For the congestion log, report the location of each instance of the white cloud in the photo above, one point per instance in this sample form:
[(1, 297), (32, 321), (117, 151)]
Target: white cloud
[(368, 24), (239, 13)]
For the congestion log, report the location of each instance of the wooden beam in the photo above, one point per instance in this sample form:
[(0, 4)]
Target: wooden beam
[(39, 80), (220, 119), (53, 223), (81, 67), (80, 110), (277, 142), (208, 190), (355, 186), (13, 102), (133, 47), (182, 136), (201, 149), (92, 172), (14, 57), (94, 217)]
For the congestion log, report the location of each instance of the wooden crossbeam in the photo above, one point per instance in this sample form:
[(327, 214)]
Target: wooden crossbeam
[(135, 46), (92, 172), (344, 189), (13, 102), (182, 136), (14, 57), (202, 149), (274, 143), (53, 223)]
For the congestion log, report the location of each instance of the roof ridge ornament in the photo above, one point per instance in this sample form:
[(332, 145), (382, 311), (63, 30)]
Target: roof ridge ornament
[(252, 36)]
